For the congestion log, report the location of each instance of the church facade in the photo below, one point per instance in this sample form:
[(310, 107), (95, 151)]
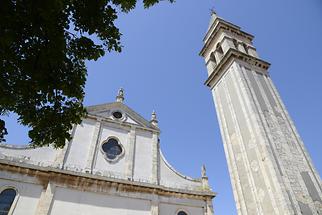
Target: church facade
[(112, 165), (270, 169)]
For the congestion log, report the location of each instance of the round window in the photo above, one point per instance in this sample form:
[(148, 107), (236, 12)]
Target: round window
[(112, 149), (182, 213), (117, 114)]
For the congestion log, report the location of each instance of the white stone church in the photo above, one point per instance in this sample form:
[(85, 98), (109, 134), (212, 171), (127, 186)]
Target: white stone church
[(113, 164)]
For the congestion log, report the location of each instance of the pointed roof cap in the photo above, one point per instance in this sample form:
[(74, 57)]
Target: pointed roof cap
[(212, 18)]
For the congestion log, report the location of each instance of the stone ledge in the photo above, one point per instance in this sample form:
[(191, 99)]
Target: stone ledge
[(79, 180), (228, 57)]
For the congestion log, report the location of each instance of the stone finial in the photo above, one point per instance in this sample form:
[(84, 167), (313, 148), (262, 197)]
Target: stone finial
[(204, 178), (203, 171), (120, 95), (154, 120)]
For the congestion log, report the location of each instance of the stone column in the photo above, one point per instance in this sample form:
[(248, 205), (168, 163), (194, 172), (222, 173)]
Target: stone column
[(45, 201), (211, 65), (241, 48), (226, 44), (252, 51), (218, 56)]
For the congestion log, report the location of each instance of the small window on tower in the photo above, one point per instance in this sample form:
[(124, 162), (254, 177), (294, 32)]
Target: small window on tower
[(219, 49), (235, 43), (245, 47), (212, 57)]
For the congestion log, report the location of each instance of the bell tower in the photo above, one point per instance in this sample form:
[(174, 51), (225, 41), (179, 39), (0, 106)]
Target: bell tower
[(270, 169)]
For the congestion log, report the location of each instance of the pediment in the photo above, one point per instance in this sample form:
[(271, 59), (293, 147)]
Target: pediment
[(128, 115)]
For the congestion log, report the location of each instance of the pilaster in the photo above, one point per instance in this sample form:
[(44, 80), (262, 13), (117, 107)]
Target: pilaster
[(131, 153), (46, 199), (64, 154), (155, 159), (93, 147), (155, 206), (209, 207)]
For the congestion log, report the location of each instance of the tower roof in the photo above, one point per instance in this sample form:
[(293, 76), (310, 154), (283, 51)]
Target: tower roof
[(212, 18), (216, 24)]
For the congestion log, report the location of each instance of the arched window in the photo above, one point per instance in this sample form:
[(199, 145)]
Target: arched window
[(213, 58), (235, 43), (245, 47), (219, 49), (7, 197), (182, 213)]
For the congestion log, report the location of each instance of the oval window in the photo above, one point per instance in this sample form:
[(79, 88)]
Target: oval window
[(182, 213), (117, 114), (112, 148)]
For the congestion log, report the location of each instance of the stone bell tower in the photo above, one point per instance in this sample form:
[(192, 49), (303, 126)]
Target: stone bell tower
[(270, 169)]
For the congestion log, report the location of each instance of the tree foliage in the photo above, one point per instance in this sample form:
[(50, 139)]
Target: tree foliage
[(43, 48)]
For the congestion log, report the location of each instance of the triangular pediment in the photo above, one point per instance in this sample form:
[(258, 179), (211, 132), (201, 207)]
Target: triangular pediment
[(128, 115)]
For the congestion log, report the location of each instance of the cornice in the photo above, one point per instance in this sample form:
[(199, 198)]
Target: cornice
[(85, 181), (232, 54), (12, 146)]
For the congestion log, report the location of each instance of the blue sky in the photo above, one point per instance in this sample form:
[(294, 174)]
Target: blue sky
[(160, 69)]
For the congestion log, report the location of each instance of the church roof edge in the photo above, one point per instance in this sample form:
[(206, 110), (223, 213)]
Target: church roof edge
[(113, 105)]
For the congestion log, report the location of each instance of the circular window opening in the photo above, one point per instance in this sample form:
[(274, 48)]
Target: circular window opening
[(182, 213), (117, 115), (112, 148)]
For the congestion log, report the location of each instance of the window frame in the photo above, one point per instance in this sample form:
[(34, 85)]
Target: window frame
[(15, 200), (122, 119), (118, 157), (183, 210)]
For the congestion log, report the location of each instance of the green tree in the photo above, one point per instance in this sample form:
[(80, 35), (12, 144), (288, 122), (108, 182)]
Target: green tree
[(43, 48)]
